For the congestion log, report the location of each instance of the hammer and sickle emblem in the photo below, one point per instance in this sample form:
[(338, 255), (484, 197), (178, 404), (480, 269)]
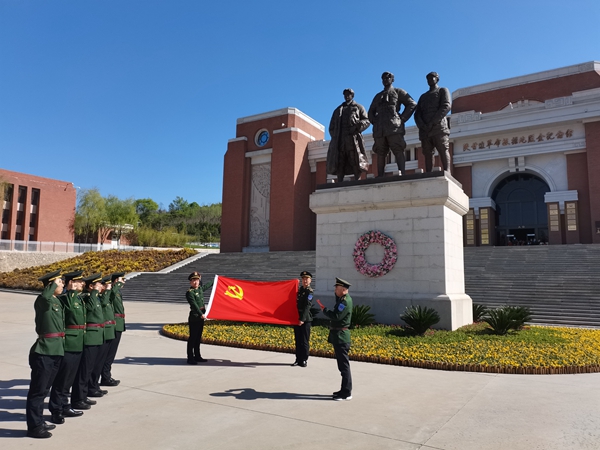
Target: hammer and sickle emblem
[(235, 292)]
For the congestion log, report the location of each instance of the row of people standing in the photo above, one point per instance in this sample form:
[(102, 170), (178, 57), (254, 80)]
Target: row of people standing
[(79, 331)]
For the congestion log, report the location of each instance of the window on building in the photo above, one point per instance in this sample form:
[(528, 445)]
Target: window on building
[(8, 193), (5, 215), (35, 197), (20, 217), (22, 194), (32, 220)]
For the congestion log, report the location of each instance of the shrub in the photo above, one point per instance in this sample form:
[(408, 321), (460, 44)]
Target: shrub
[(479, 312), (502, 320), (420, 318), (361, 316)]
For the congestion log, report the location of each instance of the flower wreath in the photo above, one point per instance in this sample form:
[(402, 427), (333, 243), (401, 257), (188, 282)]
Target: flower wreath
[(389, 258)]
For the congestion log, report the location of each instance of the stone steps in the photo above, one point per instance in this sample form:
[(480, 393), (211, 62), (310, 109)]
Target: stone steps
[(561, 284)]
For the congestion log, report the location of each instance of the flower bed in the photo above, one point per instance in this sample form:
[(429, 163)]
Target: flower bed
[(534, 350), (105, 262)]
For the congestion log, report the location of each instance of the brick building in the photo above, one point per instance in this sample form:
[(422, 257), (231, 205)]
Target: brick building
[(526, 150), (36, 208)]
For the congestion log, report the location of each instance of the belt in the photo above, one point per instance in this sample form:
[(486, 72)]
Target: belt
[(95, 325), (339, 329), (75, 327), (122, 316), (51, 335), (110, 322)]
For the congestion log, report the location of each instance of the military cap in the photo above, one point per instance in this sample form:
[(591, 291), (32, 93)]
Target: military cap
[(116, 275), (194, 275), (387, 74), (75, 275), (433, 74), (93, 278), (106, 280), (349, 90), (340, 282), (306, 274), (49, 277)]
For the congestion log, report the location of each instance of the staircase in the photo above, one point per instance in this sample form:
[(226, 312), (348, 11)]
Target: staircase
[(561, 284), (171, 287)]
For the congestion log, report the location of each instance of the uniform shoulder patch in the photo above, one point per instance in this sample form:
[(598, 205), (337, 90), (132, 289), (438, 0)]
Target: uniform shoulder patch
[(341, 307)]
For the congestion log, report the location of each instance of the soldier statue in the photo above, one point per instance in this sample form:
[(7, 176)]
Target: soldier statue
[(346, 154), (388, 123), (434, 126)]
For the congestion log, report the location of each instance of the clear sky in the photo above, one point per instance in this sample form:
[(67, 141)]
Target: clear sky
[(139, 97)]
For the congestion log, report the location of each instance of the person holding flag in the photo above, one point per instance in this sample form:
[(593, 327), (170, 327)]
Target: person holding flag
[(339, 335), (195, 297), (302, 330)]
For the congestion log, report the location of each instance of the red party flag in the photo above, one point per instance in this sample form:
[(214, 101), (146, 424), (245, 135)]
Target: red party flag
[(253, 301)]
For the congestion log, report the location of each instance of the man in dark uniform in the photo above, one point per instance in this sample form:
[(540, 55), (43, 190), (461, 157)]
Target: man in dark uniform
[(339, 335), (109, 335), (388, 124), (116, 300), (93, 340), (46, 354), (302, 330), (195, 297), (74, 329), (434, 129), (346, 154)]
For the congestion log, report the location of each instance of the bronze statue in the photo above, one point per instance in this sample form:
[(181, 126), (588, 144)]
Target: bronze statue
[(346, 154), (434, 126), (388, 124)]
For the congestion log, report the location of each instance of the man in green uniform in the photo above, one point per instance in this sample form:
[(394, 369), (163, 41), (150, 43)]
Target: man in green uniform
[(46, 354), (116, 299), (109, 335), (195, 297), (302, 330), (92, 341), (339, 335), (74, 330)]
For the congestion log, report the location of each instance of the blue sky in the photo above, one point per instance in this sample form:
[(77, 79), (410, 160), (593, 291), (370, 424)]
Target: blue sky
[(139, 97)]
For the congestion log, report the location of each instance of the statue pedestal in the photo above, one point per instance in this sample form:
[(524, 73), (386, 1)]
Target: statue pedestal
[(423, 215)]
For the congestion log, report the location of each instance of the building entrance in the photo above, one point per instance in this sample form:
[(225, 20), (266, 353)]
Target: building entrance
[(521, 215)]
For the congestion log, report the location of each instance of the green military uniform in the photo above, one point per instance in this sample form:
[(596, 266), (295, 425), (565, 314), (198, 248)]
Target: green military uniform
[(74, 330), (46, 354), (109, 315), (195, 298), (94, 317), (92, 342), (340, 315), (302, 331), (339, 337), (116, 301)]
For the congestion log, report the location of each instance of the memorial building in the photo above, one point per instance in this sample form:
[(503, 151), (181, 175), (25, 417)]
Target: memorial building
[(526, 151), (36, 208)]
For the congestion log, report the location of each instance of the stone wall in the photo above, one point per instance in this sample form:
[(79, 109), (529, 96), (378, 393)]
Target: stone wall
[(10, 261)]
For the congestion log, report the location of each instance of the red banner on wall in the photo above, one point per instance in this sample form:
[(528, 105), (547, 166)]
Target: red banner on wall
[(253, 301)]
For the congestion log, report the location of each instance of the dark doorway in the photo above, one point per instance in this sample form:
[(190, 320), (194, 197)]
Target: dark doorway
[(521, 215)]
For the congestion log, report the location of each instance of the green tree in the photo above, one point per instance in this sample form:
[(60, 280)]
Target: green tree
[(90, 216), (120, 214), (146, 209)]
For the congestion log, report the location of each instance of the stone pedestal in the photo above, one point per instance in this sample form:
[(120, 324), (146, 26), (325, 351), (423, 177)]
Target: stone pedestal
[(423, 215)]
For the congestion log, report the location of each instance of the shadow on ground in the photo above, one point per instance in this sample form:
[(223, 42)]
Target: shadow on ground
[(252, 394)]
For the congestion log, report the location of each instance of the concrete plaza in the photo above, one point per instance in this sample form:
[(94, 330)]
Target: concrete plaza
[(254, 400)]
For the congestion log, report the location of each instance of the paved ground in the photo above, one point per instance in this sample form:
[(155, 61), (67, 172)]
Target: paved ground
[(254, 400)]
